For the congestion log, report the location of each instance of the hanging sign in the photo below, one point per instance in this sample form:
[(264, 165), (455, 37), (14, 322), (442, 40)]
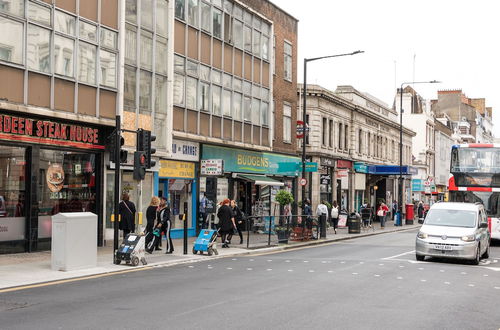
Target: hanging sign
[(212, 167)]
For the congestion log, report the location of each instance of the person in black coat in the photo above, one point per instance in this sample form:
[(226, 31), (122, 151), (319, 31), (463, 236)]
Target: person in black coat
[(238, 219), (166, 224), (127, 212), (226, 222), (152, 219)]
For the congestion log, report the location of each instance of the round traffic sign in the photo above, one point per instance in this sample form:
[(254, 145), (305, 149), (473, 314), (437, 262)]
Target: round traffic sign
[(303, 181), (300, 129)]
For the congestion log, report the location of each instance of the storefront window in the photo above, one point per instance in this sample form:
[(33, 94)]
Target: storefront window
[(67, 184), (12, 193)]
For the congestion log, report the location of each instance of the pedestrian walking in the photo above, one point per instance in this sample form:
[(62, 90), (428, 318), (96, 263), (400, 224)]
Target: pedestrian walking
[(152, 220), (226, 222), (203, 211), (127, 211), (420, 212), (381, 213), (335, 215), (322, 214), (166, 224), (307, 213), (238, 220)]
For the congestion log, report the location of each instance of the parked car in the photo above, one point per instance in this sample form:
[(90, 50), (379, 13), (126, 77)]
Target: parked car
[(454, 230)]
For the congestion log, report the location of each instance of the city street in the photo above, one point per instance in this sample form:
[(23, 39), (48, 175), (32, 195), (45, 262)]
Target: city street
[(366, 283)]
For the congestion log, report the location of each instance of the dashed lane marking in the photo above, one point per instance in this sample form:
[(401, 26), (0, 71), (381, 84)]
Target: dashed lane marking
[(190, 266), (376, 275), (471, 285), (399, 255), (269, 269), (447, 283), (354, 273), (249, 268), (311, 271), (423, 280), (330, 271), (399, 278), (229, 268), (290, 270)]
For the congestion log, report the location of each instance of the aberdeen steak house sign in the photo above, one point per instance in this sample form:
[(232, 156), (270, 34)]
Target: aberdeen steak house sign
[(14, 128)]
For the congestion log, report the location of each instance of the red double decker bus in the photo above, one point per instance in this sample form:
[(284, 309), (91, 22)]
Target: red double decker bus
[(475, 177)]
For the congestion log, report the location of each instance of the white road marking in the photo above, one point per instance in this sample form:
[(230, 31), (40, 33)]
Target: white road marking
[(290, 270), (323, 262), (269, 260), (234, 259), (485, 275), (228, 268), (251, 259), (311, 271), (376, 275), (401, 266), (493, 268), (306, 260), (463, 273), (497, 288), (210, 267), (423, 280), (191, 266), (249, 268), (354, 273), (420, 268), (269, 269), (441, 270), (342, 262), (287, 260), (447, 283), (380, 264), (399, 278), (330, 271), (398, 255), (471, 285), (361, 262)]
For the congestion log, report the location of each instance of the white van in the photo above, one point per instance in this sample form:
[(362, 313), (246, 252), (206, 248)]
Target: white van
[(454, 230)]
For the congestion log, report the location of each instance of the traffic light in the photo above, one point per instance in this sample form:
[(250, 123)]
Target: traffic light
[(144, 139), (139, 165), (112, 148)]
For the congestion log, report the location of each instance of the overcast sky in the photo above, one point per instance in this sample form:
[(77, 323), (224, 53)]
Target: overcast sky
[(454, 41)]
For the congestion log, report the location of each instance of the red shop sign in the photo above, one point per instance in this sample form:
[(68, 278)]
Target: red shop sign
[(344, 163)]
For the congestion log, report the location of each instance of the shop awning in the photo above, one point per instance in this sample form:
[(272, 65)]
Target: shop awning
[(260, 180)]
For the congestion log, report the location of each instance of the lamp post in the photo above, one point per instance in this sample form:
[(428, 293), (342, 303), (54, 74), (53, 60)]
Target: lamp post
[(304, 112), (400, 181)]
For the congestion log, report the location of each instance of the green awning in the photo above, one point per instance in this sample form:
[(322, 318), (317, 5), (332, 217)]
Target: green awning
[(260, 180)]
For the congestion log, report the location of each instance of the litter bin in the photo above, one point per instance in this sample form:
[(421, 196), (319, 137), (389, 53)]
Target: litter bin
[(354, 223), (397, 221), (74, 241), (409, 214)]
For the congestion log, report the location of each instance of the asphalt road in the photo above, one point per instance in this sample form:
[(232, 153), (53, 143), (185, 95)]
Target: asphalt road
[(366, 283)]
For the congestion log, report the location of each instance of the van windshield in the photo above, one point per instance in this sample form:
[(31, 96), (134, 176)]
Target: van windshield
[(451, 218)]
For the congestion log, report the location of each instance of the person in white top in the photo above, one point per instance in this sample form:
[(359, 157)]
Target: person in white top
[(321, 209)]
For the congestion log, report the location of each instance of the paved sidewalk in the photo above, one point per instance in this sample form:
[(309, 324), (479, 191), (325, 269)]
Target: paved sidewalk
[(34, 268)]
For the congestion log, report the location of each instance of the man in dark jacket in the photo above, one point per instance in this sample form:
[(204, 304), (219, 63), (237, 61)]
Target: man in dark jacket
[(127, 212)]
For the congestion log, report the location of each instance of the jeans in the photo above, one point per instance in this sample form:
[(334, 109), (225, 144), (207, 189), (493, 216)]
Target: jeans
[(382, 220)]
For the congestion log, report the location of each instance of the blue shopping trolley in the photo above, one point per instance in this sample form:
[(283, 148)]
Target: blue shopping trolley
[(206, 242)]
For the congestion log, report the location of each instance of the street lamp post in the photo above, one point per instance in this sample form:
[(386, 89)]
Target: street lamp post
[(304, 112), (400, 181)]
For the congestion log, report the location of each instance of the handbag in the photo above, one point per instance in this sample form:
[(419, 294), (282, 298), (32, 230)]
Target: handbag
[(380, 213)]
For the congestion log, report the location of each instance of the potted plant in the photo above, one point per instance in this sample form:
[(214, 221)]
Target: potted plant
[(283, 198)]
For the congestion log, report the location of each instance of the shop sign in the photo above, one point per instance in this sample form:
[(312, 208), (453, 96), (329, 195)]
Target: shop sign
[(212, 167), (327, 162), (173, 169), (15, 128), (416, 185), (185, 150), (325, 179), (344, 163), (238, 160), (360, 167), (342, 173)]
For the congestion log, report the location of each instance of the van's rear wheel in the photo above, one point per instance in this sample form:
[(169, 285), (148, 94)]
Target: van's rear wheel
[(419, 257)]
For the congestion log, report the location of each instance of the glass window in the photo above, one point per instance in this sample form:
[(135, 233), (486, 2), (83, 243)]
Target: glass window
[(247, 38), (11, 41), (247, 108), (228, 7), (131, 11), (256, 43), (264, 94), (216, 90), (255, 112), (217, 23), (160, 130), (39, 13), (108, 68), (247, 18), (161, 55), (147, 14), (146, 50), (205, 72), (265, 48), (237, 97), (109, 39), (193, 12), (205, 16), (161, 17), (237, 84), (192, 68), (228, 29), (87, 63), (238, 12), (226, 102), (204, 96), (217, 77), (180, 9), (265, 28), (287, 123), (14, 7), (64, 23), (247, 88), (160, 94), (88, 31), (191, 93), (64, 48), (256, 22), (264, 113), (145, 89), (131, 42), (238, 34), (288, 61), (179, 65), (178, 89), (129, 88), (38, 49), (218, 3), (226, 80)]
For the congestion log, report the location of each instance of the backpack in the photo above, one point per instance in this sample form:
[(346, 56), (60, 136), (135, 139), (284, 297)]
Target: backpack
[(335, 212)]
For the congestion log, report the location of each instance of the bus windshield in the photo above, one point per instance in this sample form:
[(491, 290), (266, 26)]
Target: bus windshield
[(490, 200), (475, 160)]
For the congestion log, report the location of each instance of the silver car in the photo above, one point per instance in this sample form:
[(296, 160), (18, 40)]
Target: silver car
[(454, 230)]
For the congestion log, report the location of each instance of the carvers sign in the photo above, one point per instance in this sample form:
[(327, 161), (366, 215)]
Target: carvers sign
[(16, 128)]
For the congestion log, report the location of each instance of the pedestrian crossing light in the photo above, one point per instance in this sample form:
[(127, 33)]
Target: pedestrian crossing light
[(144, 139), (112, 149), (139, 165)]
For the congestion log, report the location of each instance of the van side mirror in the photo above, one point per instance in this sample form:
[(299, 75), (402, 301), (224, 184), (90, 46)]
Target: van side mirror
[(483, 225)]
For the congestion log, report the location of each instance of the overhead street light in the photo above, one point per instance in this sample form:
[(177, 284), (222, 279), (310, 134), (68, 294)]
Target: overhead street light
[(400, 181), (304, 112)]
